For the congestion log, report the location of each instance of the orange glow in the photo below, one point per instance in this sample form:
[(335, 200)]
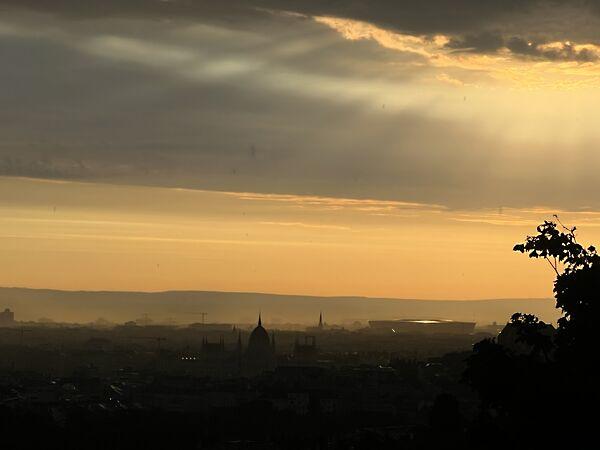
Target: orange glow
[(70, 235)]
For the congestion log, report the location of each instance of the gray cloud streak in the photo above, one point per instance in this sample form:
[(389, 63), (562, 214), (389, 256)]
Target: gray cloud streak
[(481, 25), (250, 102)]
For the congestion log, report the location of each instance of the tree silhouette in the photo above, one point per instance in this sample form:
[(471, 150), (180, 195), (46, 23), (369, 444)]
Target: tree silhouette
[(532, 332), (555, 383), (577, 284)]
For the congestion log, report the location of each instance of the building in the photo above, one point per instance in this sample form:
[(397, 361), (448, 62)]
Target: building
[(306, 352), (494, 328), (323, 327), (7, 318), (212, 349), (260, 354), (510, 338), (213, 327), (318, 328), (416, 326)]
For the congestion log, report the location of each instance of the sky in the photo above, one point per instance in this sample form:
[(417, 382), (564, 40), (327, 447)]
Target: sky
[(377, 148)]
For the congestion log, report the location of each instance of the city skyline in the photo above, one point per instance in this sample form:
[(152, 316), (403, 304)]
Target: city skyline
[(299, 224)]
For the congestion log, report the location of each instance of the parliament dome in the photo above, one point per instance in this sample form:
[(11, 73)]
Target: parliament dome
[(260, 353), (259, 342)]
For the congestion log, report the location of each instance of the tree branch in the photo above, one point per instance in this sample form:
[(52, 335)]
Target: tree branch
[(552, 265)]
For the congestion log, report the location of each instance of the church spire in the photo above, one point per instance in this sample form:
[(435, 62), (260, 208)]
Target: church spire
[(321, 320), (259, 320)]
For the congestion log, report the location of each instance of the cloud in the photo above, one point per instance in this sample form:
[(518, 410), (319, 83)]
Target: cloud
[(445, 78), (475, 21), (335, 203), (553, 51), (346, 105), (422, 17), (483, 42), (308, 225), (42, 168)]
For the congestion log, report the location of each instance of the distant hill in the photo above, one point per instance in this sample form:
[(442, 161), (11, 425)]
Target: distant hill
[(242, 307)]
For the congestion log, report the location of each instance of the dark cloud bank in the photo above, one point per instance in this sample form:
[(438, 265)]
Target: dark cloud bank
[(70, 114), (477, 24)]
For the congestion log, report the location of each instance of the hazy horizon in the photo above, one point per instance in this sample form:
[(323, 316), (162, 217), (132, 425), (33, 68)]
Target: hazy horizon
[(243, 307), (272, 293)]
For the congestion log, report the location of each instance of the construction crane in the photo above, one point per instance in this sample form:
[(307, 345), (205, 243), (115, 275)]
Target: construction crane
[(203, 314)]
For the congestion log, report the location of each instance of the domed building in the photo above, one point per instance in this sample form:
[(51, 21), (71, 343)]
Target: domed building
[(7, 318), (260, 354)]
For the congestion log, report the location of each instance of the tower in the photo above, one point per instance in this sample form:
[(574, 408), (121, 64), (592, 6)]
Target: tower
[(239, 352), (260, 351)]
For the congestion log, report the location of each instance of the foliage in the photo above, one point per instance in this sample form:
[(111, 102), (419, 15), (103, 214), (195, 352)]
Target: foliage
[(559, 246), (533, 332), (554, 379), (577, 283), (489, 372)]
